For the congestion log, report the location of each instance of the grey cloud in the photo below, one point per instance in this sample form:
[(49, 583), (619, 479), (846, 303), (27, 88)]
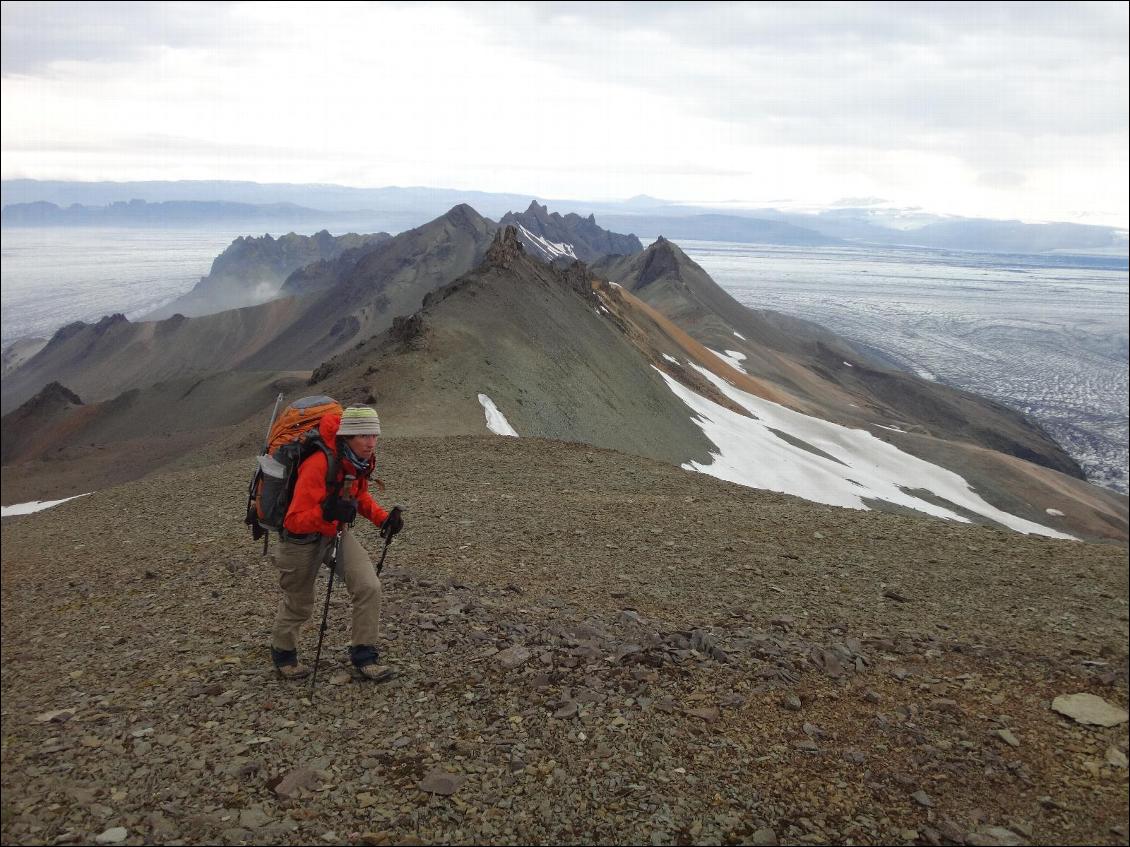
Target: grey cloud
[(36, 34), (974, 79), (167, 146)]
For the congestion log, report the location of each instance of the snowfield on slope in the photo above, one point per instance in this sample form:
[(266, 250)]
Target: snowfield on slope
[(733, 358), (551, 249), (496, 421), (844, 466), (35, 506)]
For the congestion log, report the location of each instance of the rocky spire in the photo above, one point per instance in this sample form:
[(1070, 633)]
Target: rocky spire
[(505, 248)]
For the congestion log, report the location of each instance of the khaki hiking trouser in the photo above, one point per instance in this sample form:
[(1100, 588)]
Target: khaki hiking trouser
[(298, 566)]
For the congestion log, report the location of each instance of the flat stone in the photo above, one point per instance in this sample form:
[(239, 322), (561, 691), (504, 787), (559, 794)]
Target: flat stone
[(994, 836), (706, 713), (253, 818), (792, 703), (512, 657), (1115, 757), (442, 783), (567, 710), (297, 779), (114, 835), (1089, 710), (1007, 737), (764, 838), (56, 716), (922, 799)]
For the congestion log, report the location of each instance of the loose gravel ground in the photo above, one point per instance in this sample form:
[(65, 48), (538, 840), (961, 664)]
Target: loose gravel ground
[(590, 647)]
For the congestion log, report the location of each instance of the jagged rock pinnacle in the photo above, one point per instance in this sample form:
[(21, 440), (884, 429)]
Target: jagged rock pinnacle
[(504, 249)]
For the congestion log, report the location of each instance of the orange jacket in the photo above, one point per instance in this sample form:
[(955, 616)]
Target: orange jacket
[(305, 512)]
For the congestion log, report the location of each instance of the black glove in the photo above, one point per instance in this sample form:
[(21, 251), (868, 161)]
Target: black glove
[(336, 509), (393, 523)]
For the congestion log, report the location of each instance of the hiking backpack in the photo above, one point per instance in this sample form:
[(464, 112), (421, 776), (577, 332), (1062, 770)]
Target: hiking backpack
[(293, 437)]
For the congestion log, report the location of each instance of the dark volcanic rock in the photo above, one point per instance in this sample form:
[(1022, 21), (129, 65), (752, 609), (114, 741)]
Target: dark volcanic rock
[(555, 237)]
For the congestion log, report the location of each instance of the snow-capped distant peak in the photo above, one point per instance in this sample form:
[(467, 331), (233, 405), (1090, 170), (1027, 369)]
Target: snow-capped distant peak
[(550, 250)]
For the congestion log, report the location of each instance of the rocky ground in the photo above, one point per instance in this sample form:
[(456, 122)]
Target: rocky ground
[(591, 648)]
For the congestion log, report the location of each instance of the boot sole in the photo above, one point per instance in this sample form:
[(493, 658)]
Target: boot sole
[(386, 675), (300, 674)]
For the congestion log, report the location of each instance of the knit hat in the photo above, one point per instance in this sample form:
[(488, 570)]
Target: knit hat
[(359, 420)]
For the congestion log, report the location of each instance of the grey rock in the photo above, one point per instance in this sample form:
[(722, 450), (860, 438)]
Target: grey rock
[(994, 836), (113, 835), (253, 817), (297, 779), (567, 710), (512, 657), (442, 783), (1007, 737), (764, 838), (1089, 710)]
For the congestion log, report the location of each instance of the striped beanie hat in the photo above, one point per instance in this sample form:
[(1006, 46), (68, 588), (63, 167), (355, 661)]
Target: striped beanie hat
[(359, 420)]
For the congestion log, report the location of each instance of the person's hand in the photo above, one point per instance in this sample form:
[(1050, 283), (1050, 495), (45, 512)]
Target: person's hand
[(336, 509), (392, 524)]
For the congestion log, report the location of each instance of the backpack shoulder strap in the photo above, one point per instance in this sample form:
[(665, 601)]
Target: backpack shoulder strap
[(333, 465)]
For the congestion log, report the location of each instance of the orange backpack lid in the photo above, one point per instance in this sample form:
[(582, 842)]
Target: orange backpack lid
[(299, 417)]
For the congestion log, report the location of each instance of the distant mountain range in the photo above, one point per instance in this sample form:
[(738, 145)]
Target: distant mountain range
[(169, 213), (394, 209), (429, 322)]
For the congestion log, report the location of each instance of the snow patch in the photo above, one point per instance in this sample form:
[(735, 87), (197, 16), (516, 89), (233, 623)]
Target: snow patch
[(849, 364), (891, 428), (35, 506), (739, 335), (856, 464), (671, 359), (925, 374), (496, 421), (550, 249), (733, 358), (1055, 513)]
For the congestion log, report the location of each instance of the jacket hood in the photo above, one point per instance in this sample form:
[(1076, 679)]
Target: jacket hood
[(328, 428)]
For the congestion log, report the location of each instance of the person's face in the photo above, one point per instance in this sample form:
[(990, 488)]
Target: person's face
[(362, 445)]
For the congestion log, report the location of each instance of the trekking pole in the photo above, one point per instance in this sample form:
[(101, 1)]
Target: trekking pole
[(384, 552), (326, 608), (388, 541), (274, 414)]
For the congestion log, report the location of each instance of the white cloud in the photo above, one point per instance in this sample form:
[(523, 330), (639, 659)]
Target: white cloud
[(992, 109)]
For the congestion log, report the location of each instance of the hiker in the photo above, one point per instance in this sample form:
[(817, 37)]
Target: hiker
[(318, 511)]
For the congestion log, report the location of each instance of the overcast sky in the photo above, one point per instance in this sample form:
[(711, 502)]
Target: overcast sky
[(997, 110)]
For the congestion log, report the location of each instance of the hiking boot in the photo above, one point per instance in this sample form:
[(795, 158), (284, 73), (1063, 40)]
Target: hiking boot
[(286, 663), (366, 660)]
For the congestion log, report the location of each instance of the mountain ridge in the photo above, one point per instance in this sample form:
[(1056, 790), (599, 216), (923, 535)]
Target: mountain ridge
[(561, 353)]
